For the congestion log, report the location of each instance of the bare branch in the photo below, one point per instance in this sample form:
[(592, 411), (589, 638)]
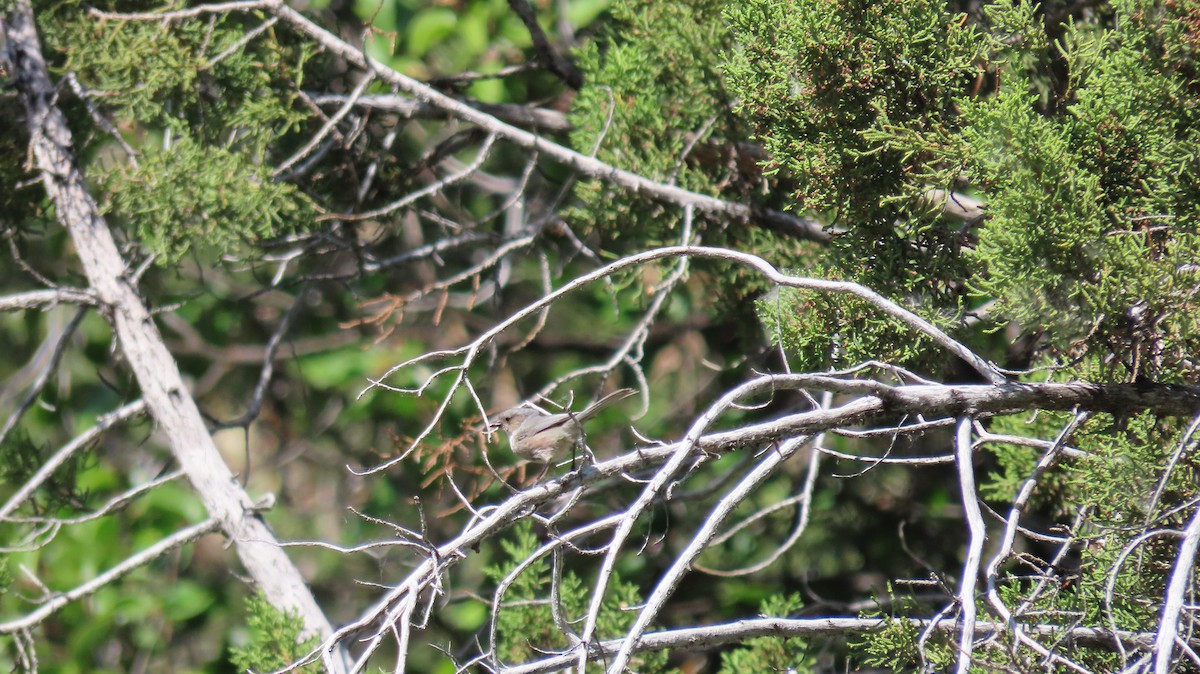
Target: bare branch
[(67, 451), (325, 129), (47, 369), (177, 15), (1013, 520), (268, 362), (100, 120), (1181, 581), (38, 299), (782, 222), (162, 385), (683, 561), (964, 459), (471, 351), (538, 119), (112, 505), (555, 61), (133, 562), (711, 636), (433, 188)]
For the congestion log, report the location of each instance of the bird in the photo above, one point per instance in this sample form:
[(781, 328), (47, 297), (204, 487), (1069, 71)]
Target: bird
[(537, 436)]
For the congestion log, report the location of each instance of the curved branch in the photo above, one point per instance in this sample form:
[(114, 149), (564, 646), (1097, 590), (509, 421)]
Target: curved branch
[(711, 636), (1181, 577), (783, 223), (152, 364), (133, 562), (470, 351), (37, 299), (683, 561), (67, 451), (964, 460)]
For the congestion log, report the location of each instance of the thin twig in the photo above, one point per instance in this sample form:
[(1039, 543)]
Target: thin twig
[(782, 222), (964, 459), (112, 575)]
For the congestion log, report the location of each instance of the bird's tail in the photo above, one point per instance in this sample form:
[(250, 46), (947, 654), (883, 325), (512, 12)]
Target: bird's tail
[(614, 397)]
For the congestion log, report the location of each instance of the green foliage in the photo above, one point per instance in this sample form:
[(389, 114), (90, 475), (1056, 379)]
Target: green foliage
[(523, 628), (431, 39), (21, 458), (525, 625), (1115, 576), (770, 654), (191, 77), (221, 105), (655, 103), (823, 330), (1123, 465), (148, 72), (896, 645), (652, 84), (1090, 183), (1016, 40), (6, 576), (196, 197), (1094, 212), (1016, 463), (837, 88), (854, 103), (274, 639)]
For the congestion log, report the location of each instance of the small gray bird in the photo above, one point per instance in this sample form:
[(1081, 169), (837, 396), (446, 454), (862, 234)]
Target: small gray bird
[(542, 437)]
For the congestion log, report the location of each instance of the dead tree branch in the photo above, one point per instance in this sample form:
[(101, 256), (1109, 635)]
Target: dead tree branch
[(163, 388)]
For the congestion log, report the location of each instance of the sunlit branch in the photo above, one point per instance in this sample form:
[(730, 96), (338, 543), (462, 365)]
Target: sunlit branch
[(59, 600)]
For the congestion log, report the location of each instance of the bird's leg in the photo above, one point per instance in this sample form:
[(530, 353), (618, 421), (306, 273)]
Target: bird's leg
[(588, 454), (579, 440), (589, 458)]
